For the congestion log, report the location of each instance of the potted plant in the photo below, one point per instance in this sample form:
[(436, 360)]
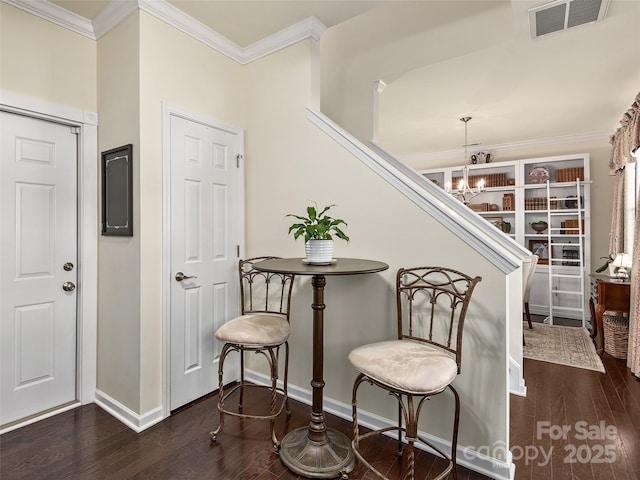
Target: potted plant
[(606, 265), (318, 229)]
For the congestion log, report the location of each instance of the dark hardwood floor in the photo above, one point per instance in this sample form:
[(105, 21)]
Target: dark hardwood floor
[(600, 415), (87, 443)]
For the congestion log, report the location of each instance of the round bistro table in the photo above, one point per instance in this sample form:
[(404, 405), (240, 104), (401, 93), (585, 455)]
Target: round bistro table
[(317, 451)]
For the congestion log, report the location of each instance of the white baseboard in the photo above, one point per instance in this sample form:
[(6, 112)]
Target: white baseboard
[(134, 421), (488, 466), (516, 379)]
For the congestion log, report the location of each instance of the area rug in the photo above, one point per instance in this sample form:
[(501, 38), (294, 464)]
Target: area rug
[(571, 346)]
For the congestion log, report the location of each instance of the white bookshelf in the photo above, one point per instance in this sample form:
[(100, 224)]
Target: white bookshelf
[(530, 204)]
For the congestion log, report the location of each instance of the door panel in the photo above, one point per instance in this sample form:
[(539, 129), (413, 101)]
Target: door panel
[(204, 192), (39, 235)]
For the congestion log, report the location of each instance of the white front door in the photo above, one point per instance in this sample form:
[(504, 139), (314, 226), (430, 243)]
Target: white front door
[(205, 235), (38, 246)]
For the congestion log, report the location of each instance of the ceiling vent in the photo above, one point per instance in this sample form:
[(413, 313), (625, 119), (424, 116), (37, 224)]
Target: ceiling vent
[(563, 14)]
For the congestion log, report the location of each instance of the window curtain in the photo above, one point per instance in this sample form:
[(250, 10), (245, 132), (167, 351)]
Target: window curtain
[(625, 142), (633, 354)]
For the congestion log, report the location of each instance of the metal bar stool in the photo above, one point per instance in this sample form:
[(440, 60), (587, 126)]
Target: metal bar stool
[(432, 304), (262, 328)]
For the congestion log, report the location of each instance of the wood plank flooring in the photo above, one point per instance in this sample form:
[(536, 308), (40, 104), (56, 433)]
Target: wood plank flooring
[(87, 443), (600, 415)]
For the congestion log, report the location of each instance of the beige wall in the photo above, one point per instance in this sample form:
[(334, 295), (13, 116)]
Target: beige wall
[(144, 63), (394, 39), (289, 163), (45, 61), (119, 273)]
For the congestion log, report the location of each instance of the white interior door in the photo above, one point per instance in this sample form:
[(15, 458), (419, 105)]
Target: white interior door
[(205, 209), (38, 245)]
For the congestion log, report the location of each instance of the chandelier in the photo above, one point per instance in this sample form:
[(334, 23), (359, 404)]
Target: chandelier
[(464, 191)]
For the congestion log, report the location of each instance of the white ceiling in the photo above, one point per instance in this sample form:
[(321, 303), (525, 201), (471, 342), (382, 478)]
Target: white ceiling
[(576, 82)]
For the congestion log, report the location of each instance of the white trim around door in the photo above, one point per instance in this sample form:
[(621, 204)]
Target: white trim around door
[(87, 122), (168, 111)]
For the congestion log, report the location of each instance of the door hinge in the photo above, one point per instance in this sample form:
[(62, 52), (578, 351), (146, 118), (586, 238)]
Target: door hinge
[(239, 157), (75, 130), (238, 251)]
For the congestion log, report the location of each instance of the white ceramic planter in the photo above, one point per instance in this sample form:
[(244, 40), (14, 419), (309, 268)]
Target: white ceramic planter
[(319, 251)]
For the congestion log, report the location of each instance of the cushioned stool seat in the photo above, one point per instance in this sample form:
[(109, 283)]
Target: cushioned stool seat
[(405, 365), (421, 362), (262, 328), (255, 329)]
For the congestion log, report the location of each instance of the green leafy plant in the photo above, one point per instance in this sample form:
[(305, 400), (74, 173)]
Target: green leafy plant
[(603, 267), (317, 225)]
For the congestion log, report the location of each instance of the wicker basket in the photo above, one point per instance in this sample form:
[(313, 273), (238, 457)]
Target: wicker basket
[(616, 334)]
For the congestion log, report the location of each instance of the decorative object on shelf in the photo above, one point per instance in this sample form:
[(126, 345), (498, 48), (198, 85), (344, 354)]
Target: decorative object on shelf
[(497, 222), (571, 255), (506, 227), (488, 180), (540, 248), (484, 207), (621, 265), (535, 203), (480, 157), (539, 175), (570, 174), (554, 203), (572, 202), (317, 229), (571, 227), (508, 201), (465, 192), (540, 226)]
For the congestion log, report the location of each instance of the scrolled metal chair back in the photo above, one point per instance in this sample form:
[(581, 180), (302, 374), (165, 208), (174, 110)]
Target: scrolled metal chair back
[(264, 292), (432, 303)]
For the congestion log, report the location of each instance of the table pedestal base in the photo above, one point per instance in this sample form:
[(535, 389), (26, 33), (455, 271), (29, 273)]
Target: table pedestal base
[(330, 458)]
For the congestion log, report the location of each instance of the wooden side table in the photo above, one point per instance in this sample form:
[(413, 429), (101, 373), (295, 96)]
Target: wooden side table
[(609, 294)]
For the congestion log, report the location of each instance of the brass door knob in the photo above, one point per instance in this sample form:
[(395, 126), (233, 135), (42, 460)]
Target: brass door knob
[(68, 286)]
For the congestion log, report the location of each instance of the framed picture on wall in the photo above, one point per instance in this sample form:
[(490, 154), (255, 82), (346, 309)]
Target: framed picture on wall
[(540, 248), (117, 192)]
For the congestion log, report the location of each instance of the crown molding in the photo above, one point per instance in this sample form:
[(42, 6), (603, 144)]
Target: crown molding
[(459, 152), (309, 27), (55, 14), (176, 18), (118, 10), (112, 15)]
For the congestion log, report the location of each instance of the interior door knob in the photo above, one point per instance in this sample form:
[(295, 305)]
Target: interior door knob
[(68, 286), (181, 276)]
